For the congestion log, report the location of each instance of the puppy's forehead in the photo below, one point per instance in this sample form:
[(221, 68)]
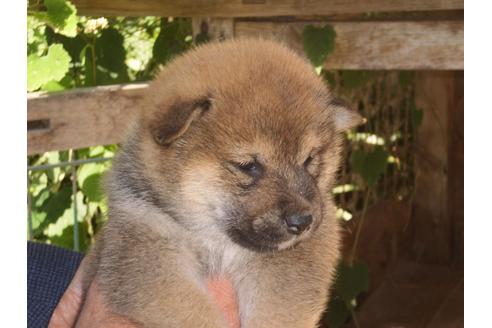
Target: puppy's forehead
[(237, 69)]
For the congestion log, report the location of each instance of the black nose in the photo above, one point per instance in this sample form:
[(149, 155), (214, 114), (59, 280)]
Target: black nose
[(298, 223)]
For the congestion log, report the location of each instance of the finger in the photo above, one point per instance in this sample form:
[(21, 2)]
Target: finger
[(224, 296), (68, 307)]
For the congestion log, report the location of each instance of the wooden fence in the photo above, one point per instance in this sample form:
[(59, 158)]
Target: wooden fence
[(431, 39)]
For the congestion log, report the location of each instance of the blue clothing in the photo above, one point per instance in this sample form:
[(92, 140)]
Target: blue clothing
[(49, 272)]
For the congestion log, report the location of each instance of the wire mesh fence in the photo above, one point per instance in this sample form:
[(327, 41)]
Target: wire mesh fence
[(71, 169)]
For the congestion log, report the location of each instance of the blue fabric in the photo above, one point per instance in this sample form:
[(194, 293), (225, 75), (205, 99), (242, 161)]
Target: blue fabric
[(49, 272)]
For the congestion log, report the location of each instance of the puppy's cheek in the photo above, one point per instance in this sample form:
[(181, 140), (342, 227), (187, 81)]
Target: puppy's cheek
[(202, 194)]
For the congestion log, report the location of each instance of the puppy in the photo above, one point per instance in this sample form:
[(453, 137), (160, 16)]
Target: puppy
[(227, 171)]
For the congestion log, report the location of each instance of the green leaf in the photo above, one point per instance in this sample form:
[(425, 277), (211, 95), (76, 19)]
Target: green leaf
[(110, 60), (48, 207), (62, 16), (89, 169), (73, 45), (110, 52), (171, 40), (318, 43), (337, 313), (65, 239), (370, 165), (59, 201), (351, 281), (63, 84), (92, 187), (51, 67), (36, 38)]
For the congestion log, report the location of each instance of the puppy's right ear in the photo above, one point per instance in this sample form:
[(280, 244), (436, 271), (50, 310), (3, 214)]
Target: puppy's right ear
[(345, 118), (169, 125)]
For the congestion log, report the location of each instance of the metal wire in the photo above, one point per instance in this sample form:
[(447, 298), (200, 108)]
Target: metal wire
[(74, 163), (29, 207), (76, 243)]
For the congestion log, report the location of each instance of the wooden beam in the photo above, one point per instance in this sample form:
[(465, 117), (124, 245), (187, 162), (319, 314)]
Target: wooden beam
[(431, 224), (80, 118), (255, 8), (377, 45), (86, 117)]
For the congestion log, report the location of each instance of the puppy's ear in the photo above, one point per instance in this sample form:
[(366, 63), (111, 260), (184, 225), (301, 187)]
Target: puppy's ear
[(169, 125), (345, 118)]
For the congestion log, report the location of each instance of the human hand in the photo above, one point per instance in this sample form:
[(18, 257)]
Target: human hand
[(73, 311)]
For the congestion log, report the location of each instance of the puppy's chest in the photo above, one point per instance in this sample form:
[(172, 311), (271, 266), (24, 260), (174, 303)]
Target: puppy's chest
[(222, 260)]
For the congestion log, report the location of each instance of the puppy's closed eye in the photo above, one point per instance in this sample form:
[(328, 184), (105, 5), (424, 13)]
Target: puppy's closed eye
[(252, 168), (312, 163)]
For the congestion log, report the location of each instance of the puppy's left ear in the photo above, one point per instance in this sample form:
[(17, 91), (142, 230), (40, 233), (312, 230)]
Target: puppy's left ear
[(345, 118), (173, 121)]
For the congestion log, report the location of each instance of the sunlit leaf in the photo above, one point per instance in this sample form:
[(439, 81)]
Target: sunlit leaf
[(51, 67), (92, 187), (62, 16), (89, 169)]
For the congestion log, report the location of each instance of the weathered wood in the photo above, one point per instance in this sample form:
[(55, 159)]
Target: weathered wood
[(377, 45), (245, 8), (432, 224), (215, 28), (80, 118), (381, 238), (456, 168), (415, 295)]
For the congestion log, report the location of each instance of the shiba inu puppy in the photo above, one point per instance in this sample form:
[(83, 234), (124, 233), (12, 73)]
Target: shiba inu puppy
[(227, 171)]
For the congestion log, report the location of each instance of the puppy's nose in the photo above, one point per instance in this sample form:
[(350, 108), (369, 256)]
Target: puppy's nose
[(298, 223)]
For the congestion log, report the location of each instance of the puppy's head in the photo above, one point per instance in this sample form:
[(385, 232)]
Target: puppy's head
[(241, 140)]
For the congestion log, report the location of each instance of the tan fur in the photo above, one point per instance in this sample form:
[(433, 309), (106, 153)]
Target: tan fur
[(182, 209)]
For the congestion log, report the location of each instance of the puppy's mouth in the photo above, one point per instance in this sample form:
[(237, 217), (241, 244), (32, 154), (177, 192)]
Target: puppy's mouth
[(267, 239)]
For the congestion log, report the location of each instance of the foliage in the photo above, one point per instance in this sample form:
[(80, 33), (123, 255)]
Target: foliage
[(370, 164), (51, 67), (69, 51), (318, 43)]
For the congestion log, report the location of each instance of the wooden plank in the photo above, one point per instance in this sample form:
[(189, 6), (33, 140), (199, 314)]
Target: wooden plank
[(413, 296), (215, 28), (258, 8), (456, 168), (80, 118), (377, 45), (381, 239), (431, 224)]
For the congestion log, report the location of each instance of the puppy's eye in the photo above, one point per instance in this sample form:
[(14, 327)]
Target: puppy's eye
[(308, 161), (311, 165), (253, 168)]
